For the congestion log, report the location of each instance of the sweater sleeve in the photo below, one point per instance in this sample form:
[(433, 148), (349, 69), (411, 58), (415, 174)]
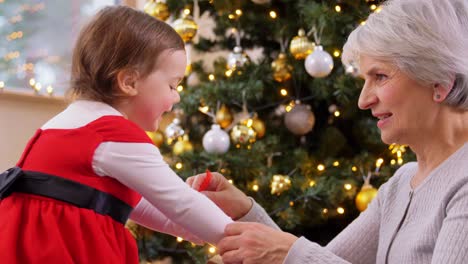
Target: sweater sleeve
[(355, 244), (259, 215), (141, 167), (452, 241)]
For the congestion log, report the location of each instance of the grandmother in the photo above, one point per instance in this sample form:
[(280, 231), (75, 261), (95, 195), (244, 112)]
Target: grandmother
[(413, 56)]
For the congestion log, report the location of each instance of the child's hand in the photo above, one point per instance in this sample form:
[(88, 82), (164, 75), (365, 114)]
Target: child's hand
[(225, 195)]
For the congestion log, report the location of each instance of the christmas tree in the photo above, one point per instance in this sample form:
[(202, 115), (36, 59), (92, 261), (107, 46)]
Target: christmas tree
[(14, 64), (277, 114), (37, 40)]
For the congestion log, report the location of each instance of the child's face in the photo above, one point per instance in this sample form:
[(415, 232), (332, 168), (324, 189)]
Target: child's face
[(157, 93)]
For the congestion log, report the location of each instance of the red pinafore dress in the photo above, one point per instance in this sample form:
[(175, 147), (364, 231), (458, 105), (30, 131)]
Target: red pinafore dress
[(43, 230)]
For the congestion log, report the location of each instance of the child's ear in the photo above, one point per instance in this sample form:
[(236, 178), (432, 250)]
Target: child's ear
[(126, 80)]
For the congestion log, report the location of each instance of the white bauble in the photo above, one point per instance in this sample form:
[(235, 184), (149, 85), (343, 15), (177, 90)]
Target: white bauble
[(319, 63), (216, 140)]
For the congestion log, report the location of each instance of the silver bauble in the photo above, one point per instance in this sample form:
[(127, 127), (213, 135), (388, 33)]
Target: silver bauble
[(173, 131), (300, 120), (237, 58)]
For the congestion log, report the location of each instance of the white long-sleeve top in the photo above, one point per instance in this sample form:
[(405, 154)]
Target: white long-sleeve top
[(168, 204)]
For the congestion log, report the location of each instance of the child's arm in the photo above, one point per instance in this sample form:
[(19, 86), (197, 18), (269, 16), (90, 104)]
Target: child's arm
[(141, 167), (147, 215)]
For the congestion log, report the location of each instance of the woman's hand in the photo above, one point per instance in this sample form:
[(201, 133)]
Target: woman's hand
[(253, 243), (225, 195)]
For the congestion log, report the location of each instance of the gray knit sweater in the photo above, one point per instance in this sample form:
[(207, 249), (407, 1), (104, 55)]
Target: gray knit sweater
[(426, 225)]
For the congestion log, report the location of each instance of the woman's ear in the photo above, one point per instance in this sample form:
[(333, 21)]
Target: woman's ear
[(441, 92), (126, 80)]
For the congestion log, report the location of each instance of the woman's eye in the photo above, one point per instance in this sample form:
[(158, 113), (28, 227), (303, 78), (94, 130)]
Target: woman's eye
[(380, 77)]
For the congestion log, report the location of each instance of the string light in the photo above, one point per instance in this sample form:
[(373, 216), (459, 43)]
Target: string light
[(373, 7), (336, 53), (336, 163), (178, 165), (212, 250), (378, 9), (231, 16), (179, 239), (336, 113), (211, 77), (348, 186), (284, 92), (354, 168), (186, 11), (340, 210), (393, 162), (255, 187), (362, 23), (321, 167), (230, 181), (204, 109), (38, 87), (238, 12), (50, 89), (312, 183), (180, 88), (338, 8), (273, 14), (290, 106), (324, 211), (228, 73), (291, 203), (378, 163)]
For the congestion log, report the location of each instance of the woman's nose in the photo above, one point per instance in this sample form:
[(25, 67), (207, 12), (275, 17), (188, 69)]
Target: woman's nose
[(367, 98)]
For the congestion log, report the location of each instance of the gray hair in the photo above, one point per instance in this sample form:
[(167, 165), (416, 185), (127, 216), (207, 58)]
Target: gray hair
[(426, 39)]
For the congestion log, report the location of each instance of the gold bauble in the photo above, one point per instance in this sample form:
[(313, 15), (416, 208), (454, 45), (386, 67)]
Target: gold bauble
[(258, 126), (365, 196), (224, 116), (185, 27), (280, 183), (182, 146), (157, 10), (242, 134), (300, 46), (157, 137), (281, 68)]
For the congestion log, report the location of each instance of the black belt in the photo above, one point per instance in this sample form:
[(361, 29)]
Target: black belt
[(77, 194)]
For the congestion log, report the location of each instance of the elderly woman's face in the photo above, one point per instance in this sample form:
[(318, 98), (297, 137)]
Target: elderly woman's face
[(401, 105)]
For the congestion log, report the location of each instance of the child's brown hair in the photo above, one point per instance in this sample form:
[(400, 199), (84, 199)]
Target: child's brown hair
[(117, 38)]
